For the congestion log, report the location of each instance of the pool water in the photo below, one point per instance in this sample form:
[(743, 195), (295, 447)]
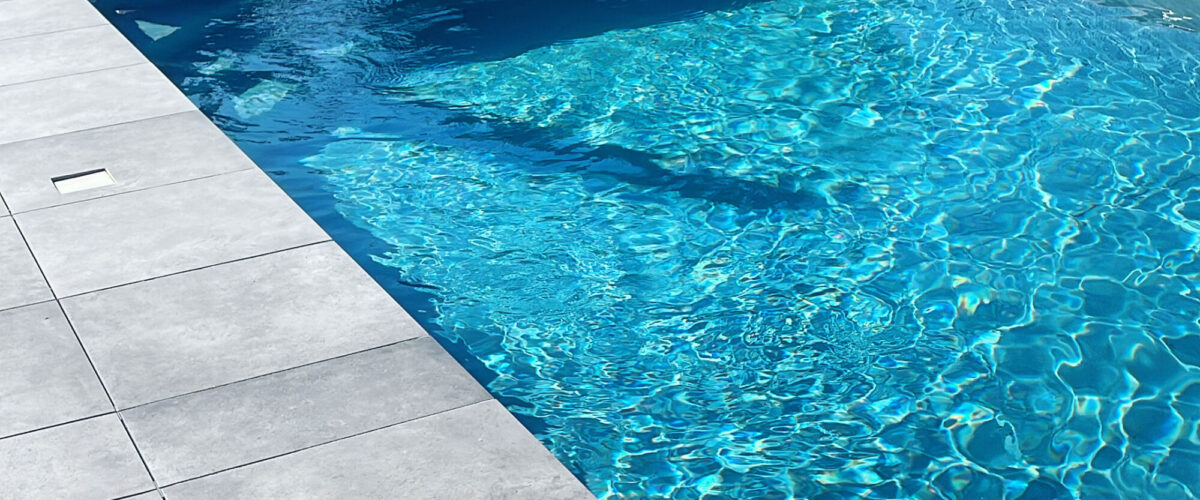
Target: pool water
[(775, 249)]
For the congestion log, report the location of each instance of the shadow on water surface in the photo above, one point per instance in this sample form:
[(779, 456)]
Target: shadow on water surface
[(609, 165)]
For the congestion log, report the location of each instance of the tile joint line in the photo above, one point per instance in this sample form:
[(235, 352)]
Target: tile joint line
[(88, 72), (59, 424), (276, 372), (326, 239), (138, 190), (64, 30), (331, 441), (88, 356), (89, 129)]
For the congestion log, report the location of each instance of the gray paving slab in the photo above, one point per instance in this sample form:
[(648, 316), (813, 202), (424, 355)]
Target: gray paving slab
[(139, 155), (296, 409), (88, 100), (64, 53), (20, 18), (92, 458), (144, 234), (196, 330), (479, 451), (21, 282), (45, 378)]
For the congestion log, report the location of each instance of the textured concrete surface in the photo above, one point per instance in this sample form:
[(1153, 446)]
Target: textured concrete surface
[(45, 379), (91, 458), (191, 331), (139, 155), (22, 281), (20, 18), (87, 100), (64, 53), (214, 339), (174, 228), (479, 451), (300, 408)]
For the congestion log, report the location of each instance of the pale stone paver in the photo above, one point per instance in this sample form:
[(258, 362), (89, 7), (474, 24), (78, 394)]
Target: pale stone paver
[(64, 53), (89, 100), (45, 378), (391, 384), (211, 312), (138, 155), (479, 451), (88, 459), (19, 18), (21, 282), (196, 330), (171, 229)]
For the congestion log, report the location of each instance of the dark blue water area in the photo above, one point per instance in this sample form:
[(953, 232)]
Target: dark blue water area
[(421, 32), (777, 249)]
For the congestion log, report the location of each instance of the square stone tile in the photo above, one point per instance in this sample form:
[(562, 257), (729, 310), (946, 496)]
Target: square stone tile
[(65, 53), (136, 236), (45, 378), (288, 411), (31, 17), (21, 282), (196, 330), (89, 459), (150, 495), (475, 452), (139, 155), (71, 103)]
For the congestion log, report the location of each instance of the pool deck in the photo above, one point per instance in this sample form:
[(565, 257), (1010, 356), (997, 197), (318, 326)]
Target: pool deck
[(189, 332)]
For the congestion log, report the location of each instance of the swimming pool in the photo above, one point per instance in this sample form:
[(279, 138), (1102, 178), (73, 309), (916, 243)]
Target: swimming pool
[(719, 249)]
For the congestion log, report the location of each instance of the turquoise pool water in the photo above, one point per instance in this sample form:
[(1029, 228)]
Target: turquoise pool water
[(779, 249)]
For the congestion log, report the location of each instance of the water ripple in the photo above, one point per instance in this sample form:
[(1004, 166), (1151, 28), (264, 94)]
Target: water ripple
[(793, 249)]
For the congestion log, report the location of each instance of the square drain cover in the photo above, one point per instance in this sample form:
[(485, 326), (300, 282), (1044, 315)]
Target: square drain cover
[(83, 181)]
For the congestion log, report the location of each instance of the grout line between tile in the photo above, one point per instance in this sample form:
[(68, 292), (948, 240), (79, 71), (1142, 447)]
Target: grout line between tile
[(137, 449), (138, 190), (101, 127), (159, 492), (326, 239), (88, 356), (64, 30), (357, 434), (31, 304), (90, 71), (59, 424), (276, 372), (126, 122), (106, 23)]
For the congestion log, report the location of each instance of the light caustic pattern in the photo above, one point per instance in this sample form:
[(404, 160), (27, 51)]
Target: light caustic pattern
[(894, 249)]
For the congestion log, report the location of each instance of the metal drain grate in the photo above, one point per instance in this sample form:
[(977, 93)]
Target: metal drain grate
[(83, 181)]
